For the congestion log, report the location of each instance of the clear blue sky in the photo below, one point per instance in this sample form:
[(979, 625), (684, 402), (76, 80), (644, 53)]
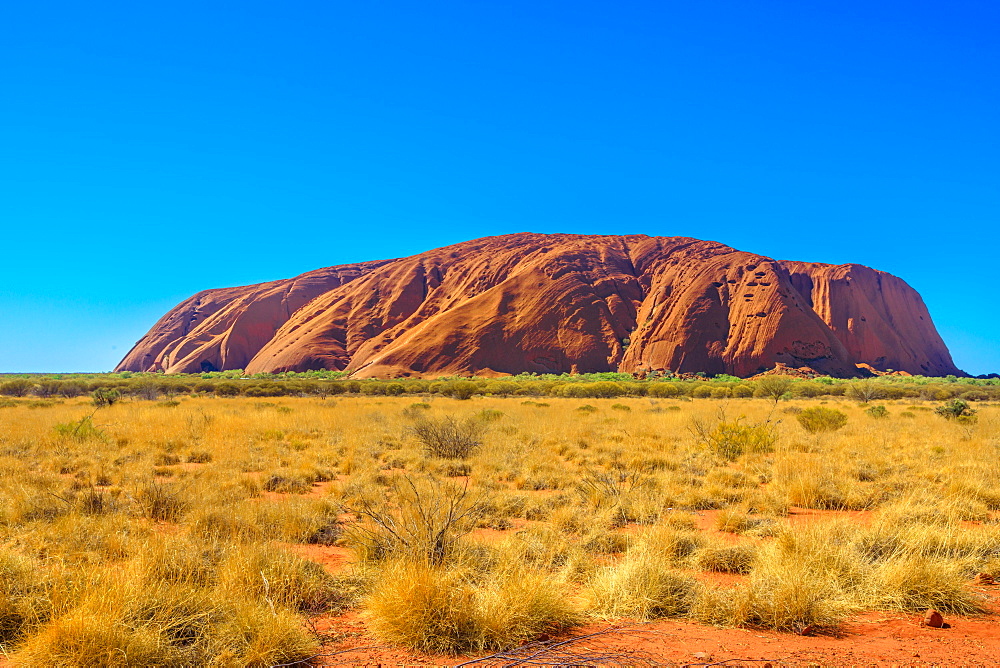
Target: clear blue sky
[(151, 150)]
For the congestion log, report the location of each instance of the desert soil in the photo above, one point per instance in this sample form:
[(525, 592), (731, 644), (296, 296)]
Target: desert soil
[(872, 639)]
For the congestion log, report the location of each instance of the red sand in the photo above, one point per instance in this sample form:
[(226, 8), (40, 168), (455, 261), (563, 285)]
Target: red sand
[(872, 639)]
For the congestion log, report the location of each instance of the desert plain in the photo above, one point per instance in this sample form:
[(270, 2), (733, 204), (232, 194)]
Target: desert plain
[(364, 524)]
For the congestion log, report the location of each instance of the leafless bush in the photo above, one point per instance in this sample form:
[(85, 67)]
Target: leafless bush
[(147, 390), (422, 520), (161, 502), (865, 391), (611, 487), (448, 437)]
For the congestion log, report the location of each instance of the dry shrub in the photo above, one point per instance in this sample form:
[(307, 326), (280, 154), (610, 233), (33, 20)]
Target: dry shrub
[(679, 520), (603, 541), (299, 520), (161, 502), (644, 585), (622, 494), (572, 519), (259, 636), (732, 520), (180, 560), (199, 457), (677, 544), (726, 558), (224, 524), (179, 601), (914, 583), (790, 596), (542, 546), (730, 477), (421, 519), (91, 500), (440, 609), (890, 567), (130, 621), (768, 502), (181, 614), (810, 481), (269, 574), (81, 431), (81, 539), (90, 638), (991, 567), (718, 606), (289, 482), (489, 415), (802, 579), (166, 459), (732, 439), (448, 437), (416, 409), (23, 601), (819, 419)]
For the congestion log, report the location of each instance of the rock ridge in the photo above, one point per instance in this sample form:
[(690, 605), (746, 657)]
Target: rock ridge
[(554, 303)]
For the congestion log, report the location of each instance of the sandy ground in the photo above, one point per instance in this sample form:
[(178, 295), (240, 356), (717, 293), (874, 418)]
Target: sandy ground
[(873, 639)]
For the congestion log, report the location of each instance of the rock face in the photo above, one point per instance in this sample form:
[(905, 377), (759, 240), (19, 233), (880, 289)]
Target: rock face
[(552, 303)]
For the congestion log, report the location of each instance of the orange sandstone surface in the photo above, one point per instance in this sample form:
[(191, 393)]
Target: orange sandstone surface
[(554, 303)]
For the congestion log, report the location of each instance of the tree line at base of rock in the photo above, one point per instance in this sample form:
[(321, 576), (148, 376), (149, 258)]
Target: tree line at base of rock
[(155, 386)]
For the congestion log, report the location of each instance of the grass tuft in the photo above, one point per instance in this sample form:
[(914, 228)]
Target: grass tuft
[(644, 585), (446, 610)]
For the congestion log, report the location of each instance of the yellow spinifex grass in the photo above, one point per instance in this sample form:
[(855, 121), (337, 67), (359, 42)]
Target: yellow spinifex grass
[(644, 585), (451, 609), (171, 532)]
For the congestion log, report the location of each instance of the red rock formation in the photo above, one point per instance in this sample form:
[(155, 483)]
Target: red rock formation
[(556, 303), (223, 329)]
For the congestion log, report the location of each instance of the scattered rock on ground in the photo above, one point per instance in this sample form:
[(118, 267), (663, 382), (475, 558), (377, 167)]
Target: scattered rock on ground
[(933, 619)]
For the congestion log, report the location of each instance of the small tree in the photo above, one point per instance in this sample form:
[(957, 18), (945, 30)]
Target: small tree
[(147, 390), (774, 387), (463, 389), (18, 387), (865, 391), (106, 396), (227, 389), (955, 409)]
